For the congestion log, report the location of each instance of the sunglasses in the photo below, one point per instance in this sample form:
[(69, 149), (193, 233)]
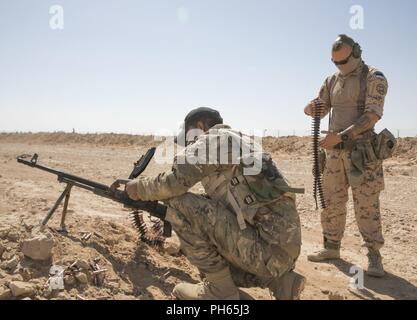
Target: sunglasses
[(342, 62)]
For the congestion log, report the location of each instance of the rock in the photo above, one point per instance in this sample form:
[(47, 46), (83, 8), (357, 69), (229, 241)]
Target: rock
[(2, 249), (172, 245), (21, 289), (27, 274), (8, 254), (69, 280), (61, 296), (56, 270), (5, 293), (38, 247), (16, 277), (56, 282), (13, 235), (81, 277), (38, 281), (82, 264), (336, 296), (10, 264), (110, 241), (4, 232), (47, 293)]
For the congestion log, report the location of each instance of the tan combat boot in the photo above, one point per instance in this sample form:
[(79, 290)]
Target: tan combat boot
[(218, 286), (324, 254), (375, 267), (288, 287), (330, 251)]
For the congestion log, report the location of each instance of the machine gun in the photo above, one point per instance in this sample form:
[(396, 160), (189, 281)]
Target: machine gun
[(154, 208)]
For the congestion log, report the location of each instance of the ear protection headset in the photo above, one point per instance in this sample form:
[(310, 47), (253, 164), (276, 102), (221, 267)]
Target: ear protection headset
[(356, 48)]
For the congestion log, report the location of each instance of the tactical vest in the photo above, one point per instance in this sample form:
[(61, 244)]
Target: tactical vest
[(245, 194)]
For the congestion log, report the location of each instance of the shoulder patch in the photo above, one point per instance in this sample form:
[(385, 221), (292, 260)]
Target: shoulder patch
[(381, 89), (379, 74)]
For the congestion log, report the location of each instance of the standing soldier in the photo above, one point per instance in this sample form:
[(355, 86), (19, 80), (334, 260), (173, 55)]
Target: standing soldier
[(246, 230), (354, 97)]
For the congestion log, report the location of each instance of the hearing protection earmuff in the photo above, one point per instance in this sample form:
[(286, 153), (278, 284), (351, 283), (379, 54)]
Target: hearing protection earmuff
[(356, 48)]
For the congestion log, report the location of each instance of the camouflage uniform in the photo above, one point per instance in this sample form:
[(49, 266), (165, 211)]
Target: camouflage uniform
[(259, 240), (340, 95)]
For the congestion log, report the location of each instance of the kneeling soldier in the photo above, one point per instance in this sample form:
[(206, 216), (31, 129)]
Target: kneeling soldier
[(246, 230)]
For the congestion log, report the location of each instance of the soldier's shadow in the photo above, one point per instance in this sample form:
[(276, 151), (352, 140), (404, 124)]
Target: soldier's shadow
[(390, 285)]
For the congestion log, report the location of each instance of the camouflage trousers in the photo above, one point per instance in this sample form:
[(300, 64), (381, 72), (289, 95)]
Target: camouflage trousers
[(337, 178), (211, 239)]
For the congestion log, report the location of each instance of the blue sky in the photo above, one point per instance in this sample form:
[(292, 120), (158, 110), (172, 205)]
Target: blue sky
[(139, 66)]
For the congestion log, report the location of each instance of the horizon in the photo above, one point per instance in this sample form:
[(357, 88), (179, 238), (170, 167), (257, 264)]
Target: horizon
[(137, 67), (152, 134)]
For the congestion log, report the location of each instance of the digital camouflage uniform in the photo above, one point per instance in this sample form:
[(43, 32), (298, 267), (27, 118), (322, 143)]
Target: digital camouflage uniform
[(340, 95), (259, 240)]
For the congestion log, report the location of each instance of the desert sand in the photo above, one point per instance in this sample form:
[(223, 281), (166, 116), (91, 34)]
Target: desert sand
[(134, 270)]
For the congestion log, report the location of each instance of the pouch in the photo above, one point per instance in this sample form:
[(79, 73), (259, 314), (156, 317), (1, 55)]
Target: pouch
[(362, 155), (384, 144)]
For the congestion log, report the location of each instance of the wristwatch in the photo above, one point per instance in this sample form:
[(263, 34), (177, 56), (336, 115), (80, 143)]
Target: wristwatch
[(344, 137)]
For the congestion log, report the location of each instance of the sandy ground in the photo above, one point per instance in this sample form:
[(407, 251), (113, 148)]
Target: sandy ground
[(137, 271)]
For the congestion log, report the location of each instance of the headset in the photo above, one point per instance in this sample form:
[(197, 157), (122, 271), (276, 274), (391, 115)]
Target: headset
[(356, 48)]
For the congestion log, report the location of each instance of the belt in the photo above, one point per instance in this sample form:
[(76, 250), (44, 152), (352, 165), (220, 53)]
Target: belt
[(365, 135)]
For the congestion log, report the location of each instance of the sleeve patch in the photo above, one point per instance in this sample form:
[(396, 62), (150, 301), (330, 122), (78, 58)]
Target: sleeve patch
[(381, 89)]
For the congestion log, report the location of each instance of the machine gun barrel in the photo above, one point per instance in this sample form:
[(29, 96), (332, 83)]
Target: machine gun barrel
[(110, 192), (60, 174)]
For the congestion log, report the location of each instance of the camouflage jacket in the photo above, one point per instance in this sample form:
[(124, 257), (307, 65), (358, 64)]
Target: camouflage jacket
[(234, 171), (340, 93)]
